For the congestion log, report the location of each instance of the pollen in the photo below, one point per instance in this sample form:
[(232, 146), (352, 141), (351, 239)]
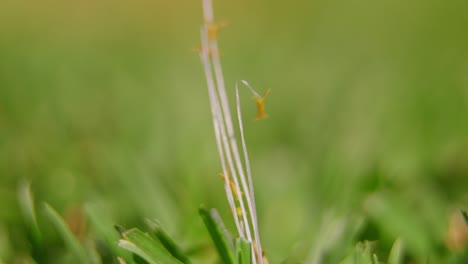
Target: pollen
[(233, 187), (234, 190), (239, 211), (260, 101), (200, 49), (213, 29)]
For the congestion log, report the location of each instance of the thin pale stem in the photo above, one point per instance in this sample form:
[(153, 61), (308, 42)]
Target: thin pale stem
[(208, 11), (223, 145), (216, 62), (236, 181), (204, 56), (252, 90), (253, 208)]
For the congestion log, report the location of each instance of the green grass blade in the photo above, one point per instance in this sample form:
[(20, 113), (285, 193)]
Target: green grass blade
[(244, 251), (376, 259), (216, 232), (70, 240), (167, 241), (362, 254), (147, 248), (26, 203), (106, 236), (396, 253)]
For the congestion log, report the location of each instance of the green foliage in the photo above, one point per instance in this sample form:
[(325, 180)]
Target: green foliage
[(103, 107), (221, 241), (162, 249), (244, 251), (27, 207), (363, 253), (160, 234), (397, 253), (146, 247), (79, 252)]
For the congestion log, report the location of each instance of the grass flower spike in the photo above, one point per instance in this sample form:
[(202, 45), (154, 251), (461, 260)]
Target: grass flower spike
[(236, 172)]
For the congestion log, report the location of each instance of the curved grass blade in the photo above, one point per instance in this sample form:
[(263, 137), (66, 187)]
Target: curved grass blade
[(216, 232), (147, 248), (396, 253), (105, 244), (362, 254), (167, 241), (26, 202), (70, 240)]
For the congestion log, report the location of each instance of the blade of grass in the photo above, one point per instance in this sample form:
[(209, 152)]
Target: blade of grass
[(215, 215), (107, 236), (147, 248), (362, 254), (26, 202), (222, 245), (70, 240), (396, 253), (244, 251), (376, 259), (167, 241)]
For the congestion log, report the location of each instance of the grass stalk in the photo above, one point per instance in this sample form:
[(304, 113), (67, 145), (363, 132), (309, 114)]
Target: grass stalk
[(229, 153)]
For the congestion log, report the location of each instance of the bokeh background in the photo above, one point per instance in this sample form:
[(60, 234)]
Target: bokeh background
[(104, 112)]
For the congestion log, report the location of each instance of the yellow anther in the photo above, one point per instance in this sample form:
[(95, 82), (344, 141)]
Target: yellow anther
[(239, 211), (260, 101), (232, 185), (234, 190), (200, 49), (213, 29)]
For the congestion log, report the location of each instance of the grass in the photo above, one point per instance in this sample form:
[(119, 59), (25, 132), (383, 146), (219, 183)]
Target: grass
[(103, 110)]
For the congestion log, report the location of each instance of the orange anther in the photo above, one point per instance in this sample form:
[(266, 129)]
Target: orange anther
[(234, 190), (239, 211), (232, 186), (200, 49), (213, 29), (260, 101)]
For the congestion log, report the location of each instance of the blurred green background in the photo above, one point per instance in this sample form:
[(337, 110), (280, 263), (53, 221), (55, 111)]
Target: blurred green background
[(104, 111)]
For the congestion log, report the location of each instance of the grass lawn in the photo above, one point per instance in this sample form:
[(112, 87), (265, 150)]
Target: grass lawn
[(105, 124)]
